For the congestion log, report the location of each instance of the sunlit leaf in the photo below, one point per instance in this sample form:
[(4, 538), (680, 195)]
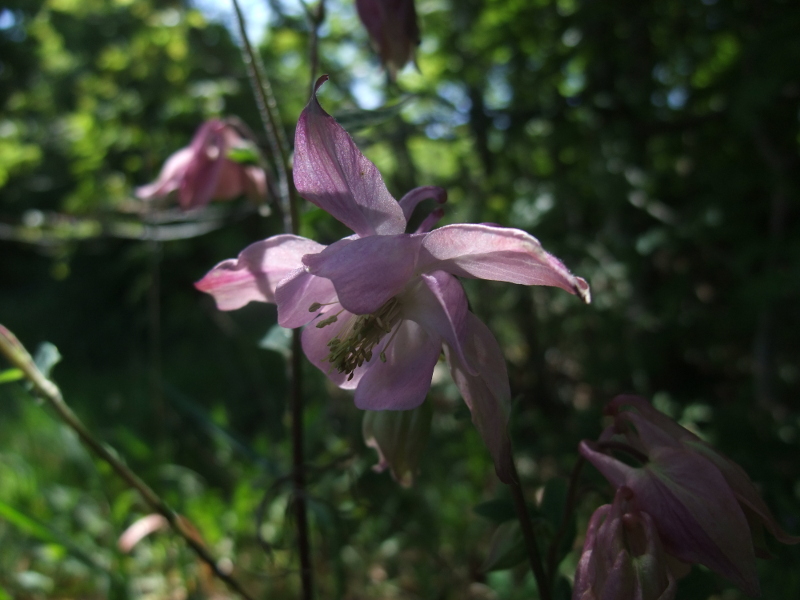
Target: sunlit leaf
[(9, 375)]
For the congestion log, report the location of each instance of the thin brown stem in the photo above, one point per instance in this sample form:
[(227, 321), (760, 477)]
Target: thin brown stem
[(528, 534), (315, 18), (569, 508), (298, 468), (44, 387)]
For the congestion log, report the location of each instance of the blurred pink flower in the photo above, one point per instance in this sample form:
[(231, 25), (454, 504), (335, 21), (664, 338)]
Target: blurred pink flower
[(384, 303), (202, 171), (392, 26), (705, 506), (623, 558)]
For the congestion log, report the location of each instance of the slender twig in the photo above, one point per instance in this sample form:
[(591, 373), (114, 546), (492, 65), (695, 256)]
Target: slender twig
[(315, 18), (569, 509), (268, 110), (44, 387), (535, 558)]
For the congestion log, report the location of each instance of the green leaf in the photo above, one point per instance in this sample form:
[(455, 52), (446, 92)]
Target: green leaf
[(8, 376), (35, 528), (244, 155), (507, 548)]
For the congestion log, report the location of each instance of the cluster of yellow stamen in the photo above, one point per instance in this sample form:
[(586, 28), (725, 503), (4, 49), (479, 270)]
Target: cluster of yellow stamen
[(353, 345)]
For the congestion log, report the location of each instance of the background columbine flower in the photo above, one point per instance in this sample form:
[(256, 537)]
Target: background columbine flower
[(623, 558), (705, 507), (392, 27), (383, 304), (202, 171)]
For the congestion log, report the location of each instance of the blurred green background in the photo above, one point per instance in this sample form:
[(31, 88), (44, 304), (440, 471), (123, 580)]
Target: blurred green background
[(653, 145)]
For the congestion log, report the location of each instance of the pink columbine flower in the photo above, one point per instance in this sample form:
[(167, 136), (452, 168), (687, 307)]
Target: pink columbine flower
[(382, 304), (705, 506), (623, 558), (202, 171), (392, 26)]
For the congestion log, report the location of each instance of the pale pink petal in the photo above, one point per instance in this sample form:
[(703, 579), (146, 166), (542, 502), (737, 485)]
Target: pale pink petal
[(331, 172), (200, 181), (140, 529), (170, 177), (403, 381), (257, 271), (367, 272), (230, 181), (438, 303), (487, 394), (498, 254), (409, 202), (295, 295), (315, 346)]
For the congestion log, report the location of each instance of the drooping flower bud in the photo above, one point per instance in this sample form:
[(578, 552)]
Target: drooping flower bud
[(399, 437), (623, 557), (392, 27), (204, 171)]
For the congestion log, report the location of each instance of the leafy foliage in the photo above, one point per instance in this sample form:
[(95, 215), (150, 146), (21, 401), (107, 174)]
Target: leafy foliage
[(652, 145)]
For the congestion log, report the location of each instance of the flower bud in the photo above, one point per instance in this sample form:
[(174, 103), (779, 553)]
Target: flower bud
[(392, 26), (399, 437), (623, 557)]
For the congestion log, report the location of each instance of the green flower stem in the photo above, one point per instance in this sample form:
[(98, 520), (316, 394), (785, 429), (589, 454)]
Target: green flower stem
[(44, 387), (535, 558), (268, 110)]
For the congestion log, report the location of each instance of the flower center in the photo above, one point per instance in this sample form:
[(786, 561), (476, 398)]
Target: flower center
[(353, 345)]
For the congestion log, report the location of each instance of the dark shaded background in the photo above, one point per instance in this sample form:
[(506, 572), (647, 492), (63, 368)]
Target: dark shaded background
[(652, 145)]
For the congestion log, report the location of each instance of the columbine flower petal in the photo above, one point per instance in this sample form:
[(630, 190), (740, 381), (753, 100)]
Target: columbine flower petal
[(366, 272), (487, 394), (331, 172), (697, 516), (202, 176), (496, 253), (257, 271), (169, 179), (655, 428), (296, 294), (409, 202), (403, 380), (438, 303)]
